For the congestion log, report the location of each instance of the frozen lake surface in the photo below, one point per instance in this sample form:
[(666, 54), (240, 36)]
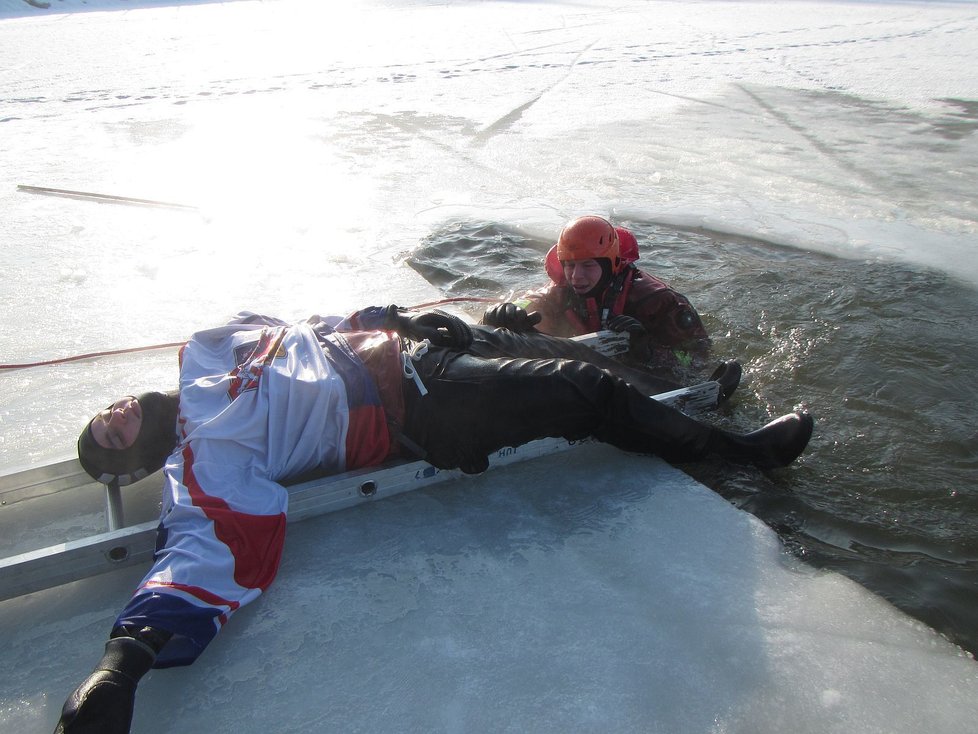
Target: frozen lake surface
[(318, 146)]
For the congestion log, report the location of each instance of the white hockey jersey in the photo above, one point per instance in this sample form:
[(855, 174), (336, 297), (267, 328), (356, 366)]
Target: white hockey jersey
[(261, 401)]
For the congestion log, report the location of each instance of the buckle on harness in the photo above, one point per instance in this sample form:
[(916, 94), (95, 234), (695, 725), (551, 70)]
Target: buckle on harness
[(408, 357)]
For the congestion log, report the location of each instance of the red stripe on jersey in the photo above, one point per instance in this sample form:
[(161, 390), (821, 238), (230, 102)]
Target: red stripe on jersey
[(255, 541), (367, 439)]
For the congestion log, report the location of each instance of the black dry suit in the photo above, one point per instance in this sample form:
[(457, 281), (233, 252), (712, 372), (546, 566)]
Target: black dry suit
[(508, 388)]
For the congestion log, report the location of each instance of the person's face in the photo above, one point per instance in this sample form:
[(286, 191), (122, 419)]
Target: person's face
[(117, 426), (582, 275)]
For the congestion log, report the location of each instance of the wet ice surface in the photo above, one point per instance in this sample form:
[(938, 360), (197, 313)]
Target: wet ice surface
[(624, 600)]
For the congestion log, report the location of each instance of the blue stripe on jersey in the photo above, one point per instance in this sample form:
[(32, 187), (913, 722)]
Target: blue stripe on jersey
[(193, 626), (360, 388)]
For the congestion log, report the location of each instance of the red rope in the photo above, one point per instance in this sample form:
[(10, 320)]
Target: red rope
[(132, 350), (77, 357), (460, 299)]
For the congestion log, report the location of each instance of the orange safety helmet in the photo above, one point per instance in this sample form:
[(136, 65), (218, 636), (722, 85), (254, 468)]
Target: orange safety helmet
[(589, 238)]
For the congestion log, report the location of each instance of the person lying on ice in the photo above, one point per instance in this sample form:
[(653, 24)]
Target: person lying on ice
[(262, 402), (597, 285)]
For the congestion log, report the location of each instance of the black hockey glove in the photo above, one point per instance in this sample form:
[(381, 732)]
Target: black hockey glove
[(510, 316), (103, 703), (621, 323), (440, 328)]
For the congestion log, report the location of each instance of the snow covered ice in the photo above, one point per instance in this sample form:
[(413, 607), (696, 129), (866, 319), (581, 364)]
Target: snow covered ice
[(589, 591)]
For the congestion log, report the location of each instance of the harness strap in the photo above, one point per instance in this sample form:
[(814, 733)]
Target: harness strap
[(415, 449), (586, 313)]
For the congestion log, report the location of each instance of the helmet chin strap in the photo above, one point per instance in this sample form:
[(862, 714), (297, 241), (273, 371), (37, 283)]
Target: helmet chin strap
[(603, 282), (607, 290)]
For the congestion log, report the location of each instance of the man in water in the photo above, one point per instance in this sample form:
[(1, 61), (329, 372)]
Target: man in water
[(596, 285), (262, 402)]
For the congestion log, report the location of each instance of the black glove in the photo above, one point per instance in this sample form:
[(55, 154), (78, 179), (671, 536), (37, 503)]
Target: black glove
[(510, 316), (621, 322), (103, 703), (440, 328)]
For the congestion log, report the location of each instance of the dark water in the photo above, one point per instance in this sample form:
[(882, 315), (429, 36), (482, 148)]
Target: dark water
[(882, 354)]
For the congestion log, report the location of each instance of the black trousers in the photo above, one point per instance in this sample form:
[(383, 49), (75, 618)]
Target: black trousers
[(508, 389)]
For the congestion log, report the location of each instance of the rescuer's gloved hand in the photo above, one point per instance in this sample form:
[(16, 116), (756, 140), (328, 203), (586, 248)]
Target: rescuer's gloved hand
[(441, 329), (638, 344), (621, 322), (103, 703), (510, 316)]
